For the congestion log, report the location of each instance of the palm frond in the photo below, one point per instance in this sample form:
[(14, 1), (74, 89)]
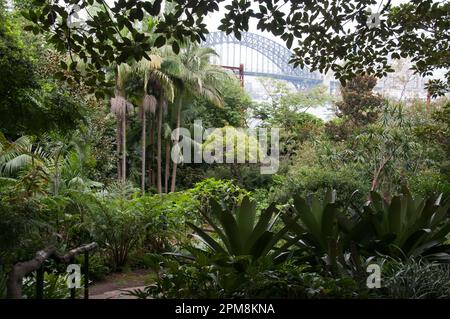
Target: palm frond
[(120, 106), (18, 155), (165, 82), (149, 104), (123, 72), (15, 164), (212, 95), (154, 62)]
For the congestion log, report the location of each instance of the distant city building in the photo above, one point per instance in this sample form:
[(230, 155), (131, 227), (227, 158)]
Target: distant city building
[(402, 84)]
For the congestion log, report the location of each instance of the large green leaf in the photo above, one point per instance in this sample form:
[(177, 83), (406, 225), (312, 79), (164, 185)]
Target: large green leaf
[(329, 221), (275, 239), (260, 245), (414, 240), (231, 229), (216, 209), (395, 215), (441, 232), (317, 223), (207, 239), (441, 213), (262, 225), (307, 216), (245, 216)]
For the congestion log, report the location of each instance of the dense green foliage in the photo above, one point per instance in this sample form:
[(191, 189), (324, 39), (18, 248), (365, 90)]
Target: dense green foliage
[(30, 101), (370, 186), (203, 280), (316, 29), (359, 104)]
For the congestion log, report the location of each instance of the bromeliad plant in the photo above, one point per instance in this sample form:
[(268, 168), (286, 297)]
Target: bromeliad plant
[(314, 225), (401, 228), (405, 226), (240, 235)]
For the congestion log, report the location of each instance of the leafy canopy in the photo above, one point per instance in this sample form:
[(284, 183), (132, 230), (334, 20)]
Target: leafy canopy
[(325, 35)]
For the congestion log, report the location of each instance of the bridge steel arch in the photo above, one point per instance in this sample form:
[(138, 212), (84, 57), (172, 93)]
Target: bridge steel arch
[(276, 53)]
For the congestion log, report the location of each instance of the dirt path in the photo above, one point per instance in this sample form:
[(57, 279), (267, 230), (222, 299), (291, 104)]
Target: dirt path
[(115, 285)]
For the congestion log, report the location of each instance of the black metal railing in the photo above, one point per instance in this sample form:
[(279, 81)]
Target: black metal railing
[(19, 270)]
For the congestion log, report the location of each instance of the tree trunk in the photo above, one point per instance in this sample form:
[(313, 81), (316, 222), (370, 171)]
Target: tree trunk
[(167, 170), (124, 147), (143, 141), (153, 171), (150, 175), (177, 137), (119, 148), (151, 151), (159, 151)]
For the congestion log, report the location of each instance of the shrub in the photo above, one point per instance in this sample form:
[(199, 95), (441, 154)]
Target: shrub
[(244, 175), (290, 281), (164, 217), (429, 182), (338, 129), (55, 287), (22, 230), (262, 197), (222, 191), (261, 280), (307, 180), (98, 268), (117, 228)]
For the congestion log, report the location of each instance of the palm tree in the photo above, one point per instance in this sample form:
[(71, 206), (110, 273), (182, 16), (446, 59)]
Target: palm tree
[(196, 77), (121, 107), (167, 132), (152, 96), (148, 105), (162, 106), (163, 88)]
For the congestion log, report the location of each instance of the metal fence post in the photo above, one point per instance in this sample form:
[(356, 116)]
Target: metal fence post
[(72, 290), (40, 283), (86, 275)]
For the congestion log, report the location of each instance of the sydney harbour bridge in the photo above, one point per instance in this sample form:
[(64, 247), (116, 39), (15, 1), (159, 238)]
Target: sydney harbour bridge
[(256, 55)]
